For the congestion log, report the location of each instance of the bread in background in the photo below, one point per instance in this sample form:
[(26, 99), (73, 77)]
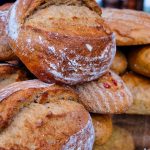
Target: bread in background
[(140, 89), (103, 128), (119, 64), (121, 139), (139, 60)]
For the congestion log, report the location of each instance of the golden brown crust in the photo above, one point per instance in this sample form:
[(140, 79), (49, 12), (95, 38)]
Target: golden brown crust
[(70, 45), (11, 73), (121, 139), (107, 95), (139, 60), (119, 64), (103, 128), (5, 51), (140, 89), (131, 27), (43, 116)]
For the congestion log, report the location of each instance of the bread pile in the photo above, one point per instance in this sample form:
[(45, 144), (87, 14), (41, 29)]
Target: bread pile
[(132, 63), (67, 102)]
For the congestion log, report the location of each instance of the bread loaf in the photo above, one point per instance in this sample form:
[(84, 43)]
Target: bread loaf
[(131, 27), (103, 128), (139, 60), (11, 73), (36, 115), (5, 51), (106, 95), (140, 89), (121, 139), (119, 64), (71, 42)]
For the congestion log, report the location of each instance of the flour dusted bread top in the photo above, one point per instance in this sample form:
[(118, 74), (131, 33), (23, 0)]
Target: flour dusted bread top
[(5, 51), (71, 42), (131, 27), (36, 115)]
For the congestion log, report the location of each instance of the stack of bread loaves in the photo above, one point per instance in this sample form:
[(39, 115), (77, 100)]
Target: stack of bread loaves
[(132, 63), (69, 48)]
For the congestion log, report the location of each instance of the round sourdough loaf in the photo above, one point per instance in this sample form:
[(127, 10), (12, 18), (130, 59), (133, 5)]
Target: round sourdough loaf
[(5, 51), (131, 27), (67, 43), (36, 115), (11, 73), (107, 95)]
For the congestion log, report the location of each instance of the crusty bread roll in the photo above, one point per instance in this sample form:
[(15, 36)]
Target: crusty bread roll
[(11, 73), (103, 128), (121, 139), (107, 95), (139, 60), (140, 89), (36, 115), (131, 27), (119, 64), (5, 51), (60, 41)]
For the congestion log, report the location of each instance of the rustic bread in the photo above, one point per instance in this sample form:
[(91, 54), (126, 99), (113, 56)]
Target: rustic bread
[(131, 27), (140, 89), (121, 139), (107, 95), (11, 73), (119, 64), (5, 51), (139, 60), (72, 43), (103, 128), (36, 115)]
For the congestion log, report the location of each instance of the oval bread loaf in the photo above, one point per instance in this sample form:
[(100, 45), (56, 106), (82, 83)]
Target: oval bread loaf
[(130, 26), (59, 41), (36, 115), (107, 95)]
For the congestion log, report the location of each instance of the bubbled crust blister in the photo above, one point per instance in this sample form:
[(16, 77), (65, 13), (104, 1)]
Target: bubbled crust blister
[(103, 128), (140, 89), (10, 73), (69, 44), (131, 27), (36, 115), (107, 95), (139, 60), (5, 51)]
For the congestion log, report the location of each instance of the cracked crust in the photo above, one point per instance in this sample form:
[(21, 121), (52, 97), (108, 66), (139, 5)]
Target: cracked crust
[(72, 43), (36, 115)]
